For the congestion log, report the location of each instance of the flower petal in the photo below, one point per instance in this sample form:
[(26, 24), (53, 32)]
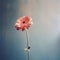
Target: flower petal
[(23, 23)]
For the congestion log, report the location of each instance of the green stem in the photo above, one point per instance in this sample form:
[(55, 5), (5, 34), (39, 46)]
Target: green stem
[(28, 44)]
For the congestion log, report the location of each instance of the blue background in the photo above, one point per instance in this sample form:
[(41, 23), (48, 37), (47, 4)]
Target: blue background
[(44, 35)]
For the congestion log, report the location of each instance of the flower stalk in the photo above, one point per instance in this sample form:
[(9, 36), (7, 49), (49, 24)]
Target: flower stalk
[(28, 47)]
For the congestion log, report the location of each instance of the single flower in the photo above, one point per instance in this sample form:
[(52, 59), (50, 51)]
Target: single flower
[(23, 23)]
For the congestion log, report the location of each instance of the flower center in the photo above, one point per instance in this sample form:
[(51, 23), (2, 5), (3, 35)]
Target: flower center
[(23, 22)]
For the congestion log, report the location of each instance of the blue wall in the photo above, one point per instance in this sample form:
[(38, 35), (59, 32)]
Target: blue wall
[(44, 34)]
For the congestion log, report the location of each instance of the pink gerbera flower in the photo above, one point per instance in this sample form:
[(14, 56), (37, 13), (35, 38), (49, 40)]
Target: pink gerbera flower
[(23, 23)]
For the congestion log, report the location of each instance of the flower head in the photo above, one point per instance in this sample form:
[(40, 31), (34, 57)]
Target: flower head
[(23, 23)]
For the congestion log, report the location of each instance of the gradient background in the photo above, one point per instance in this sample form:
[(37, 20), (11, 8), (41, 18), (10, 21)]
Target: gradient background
[(44, 34)]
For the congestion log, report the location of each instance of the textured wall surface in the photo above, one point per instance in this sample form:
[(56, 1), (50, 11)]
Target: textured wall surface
[(44, 34)]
